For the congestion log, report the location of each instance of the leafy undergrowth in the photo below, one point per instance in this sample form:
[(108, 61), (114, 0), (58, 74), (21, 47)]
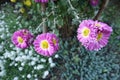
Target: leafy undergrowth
[(80, 64)]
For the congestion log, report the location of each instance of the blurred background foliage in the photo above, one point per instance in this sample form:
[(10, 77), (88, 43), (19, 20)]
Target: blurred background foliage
[(75, 62)]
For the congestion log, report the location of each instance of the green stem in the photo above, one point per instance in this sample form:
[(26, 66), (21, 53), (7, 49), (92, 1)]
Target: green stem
[(75, 13), (43, 7), (104, 4)]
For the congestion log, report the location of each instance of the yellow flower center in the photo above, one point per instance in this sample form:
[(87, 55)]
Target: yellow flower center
[(85, 32), (20, 40), (13, 1), (44, 44), (99, 36), (54, 41), (27, 3)]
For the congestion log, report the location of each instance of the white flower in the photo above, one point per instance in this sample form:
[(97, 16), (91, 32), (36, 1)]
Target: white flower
[(1, 48), (3, 36), (50, 60), (26, 51), (28, 76), (40, 67), (2, 70), (10, 55), (22, 64), (12, 63), (24, 57), (2, 23), (34, 59), (8, 35), (1, 64), (56, 56), (2, 30), (20, 68), (43, 60), (15, 64), (16, 78), (23, 76), (35, 67), (2, 43), (35, 75), (52, 65), (45, 74), (13, 52), (1, 57), (11, 45), (2, 17), (32, 63), (6, 54), (30, 53), (36, 79), (18, 58), (18, 50)]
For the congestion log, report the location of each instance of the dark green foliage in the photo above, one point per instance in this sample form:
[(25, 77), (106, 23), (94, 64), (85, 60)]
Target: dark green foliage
[(80, 64)]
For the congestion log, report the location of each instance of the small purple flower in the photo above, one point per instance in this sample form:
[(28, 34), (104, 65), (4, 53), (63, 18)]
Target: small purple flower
[(46, 44), (94, 2), (42, 1), (22, 38)]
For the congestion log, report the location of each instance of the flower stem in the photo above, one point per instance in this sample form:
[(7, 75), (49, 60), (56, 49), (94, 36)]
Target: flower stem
[(43, 8), (104, 4), (75, 13)]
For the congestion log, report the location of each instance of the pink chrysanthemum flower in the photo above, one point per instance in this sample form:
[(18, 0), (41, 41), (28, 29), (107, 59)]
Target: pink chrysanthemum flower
[(86, 31), (94, 2), (42, 1), (22, 38), (103, 34), (100, 41), (46, 44), (99, 34)]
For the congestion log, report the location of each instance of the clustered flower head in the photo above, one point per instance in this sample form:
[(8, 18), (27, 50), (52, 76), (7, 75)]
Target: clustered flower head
[(93, 34), (42, 1), (94, 2), (22, 38), (46, 44)]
